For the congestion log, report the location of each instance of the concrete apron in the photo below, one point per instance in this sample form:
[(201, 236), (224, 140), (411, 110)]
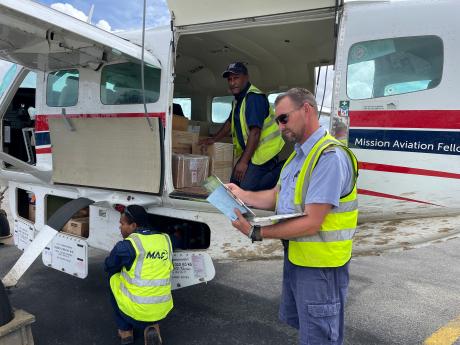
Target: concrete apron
[(18, 331), (374, 238)]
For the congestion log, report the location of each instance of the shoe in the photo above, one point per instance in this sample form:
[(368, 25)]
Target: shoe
[(151, 336), (126, 337)]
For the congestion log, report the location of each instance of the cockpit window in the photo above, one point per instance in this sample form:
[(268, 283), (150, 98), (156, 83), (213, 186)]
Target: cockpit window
[(121, 84), (62, 88)]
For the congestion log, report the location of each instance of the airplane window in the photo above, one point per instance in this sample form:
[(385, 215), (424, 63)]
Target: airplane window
[(221, 108), (185, 104), (121, 84), (394, 66), (62, 88), (7, 78)]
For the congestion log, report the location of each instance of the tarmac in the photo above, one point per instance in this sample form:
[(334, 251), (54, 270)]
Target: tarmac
[(71, 311), (374, 238)]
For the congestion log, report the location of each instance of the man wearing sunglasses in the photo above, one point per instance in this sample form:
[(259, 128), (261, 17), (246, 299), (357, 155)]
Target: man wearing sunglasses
[(256, 137), (318, 180)]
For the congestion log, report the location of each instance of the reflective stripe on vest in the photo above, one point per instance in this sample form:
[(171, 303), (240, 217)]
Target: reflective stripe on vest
[(332, 245), (142, 299), (144, 291), (270, 141)]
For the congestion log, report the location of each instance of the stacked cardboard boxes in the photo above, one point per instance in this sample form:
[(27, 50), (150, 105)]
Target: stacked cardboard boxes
[(189, 170), (220, 159), (182, 141), (179, 123)]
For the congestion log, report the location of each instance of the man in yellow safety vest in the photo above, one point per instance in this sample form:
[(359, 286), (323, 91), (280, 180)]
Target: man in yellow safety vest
[(256, 137), (318, 180)]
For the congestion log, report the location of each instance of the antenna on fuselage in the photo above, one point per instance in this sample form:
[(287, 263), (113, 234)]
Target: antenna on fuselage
[(90, 14)]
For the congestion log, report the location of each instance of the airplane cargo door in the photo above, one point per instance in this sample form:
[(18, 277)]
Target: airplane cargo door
[(121, 153)]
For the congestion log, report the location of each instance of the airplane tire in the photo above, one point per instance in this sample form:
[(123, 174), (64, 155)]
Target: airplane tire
[(6, 313), (4, 224)]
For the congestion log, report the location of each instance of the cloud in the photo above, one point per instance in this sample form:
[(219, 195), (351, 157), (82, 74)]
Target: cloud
[(104, 25), (74, 12), (70, 10)]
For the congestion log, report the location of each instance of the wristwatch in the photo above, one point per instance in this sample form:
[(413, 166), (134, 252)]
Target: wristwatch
[(254, 233)]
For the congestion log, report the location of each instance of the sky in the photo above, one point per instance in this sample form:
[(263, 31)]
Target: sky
[(115, 15)]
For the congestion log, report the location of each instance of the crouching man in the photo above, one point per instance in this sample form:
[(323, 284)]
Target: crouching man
[(140, 268)]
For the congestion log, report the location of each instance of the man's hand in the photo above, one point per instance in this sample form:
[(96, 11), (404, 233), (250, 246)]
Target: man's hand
[(235, 190), (240, 171), (241, 223), (206, 141)]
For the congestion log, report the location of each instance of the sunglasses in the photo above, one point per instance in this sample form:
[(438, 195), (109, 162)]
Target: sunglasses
[(284, 118)]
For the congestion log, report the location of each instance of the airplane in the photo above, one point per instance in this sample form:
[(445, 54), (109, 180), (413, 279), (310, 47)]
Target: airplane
[(88, 119)]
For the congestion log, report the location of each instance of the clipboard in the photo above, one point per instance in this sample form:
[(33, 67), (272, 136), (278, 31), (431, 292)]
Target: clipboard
[(222, 198), (225, 201)]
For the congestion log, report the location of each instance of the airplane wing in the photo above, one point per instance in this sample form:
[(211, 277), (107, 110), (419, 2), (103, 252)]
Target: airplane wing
[(43, 175), (41, 38)]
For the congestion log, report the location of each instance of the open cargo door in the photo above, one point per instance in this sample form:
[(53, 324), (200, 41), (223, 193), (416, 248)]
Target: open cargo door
[(187, 13)]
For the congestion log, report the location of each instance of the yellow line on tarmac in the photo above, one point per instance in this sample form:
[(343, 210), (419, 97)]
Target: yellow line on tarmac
[(446, 335)]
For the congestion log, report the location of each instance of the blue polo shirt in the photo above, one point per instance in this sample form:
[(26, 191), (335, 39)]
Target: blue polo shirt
[(331, 179), (257, 109)]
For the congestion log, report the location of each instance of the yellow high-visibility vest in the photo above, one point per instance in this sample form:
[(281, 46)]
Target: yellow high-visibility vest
[(144, 291), (332, 245), (270, 142)]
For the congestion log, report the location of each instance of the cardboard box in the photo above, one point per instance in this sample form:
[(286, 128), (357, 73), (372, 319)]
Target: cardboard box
[(32, 211), (84, 212), (179, 123), (220, 159), (189, 170), (182, 142), (203, 126), (77, 226)]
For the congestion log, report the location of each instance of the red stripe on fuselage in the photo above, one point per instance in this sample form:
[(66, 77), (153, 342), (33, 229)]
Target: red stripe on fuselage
[(406, 170), (390, 196), (435, 119), (41, 121), (43, 150)]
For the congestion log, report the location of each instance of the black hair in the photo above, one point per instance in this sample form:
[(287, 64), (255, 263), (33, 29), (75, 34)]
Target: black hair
[(137, 214)]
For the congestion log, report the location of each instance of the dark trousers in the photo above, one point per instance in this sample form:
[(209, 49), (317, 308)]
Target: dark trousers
[(313, 301), (123, 321), (260, 177)]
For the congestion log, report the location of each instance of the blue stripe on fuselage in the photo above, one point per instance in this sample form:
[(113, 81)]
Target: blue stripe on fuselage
[(42, 138), (437, 142)]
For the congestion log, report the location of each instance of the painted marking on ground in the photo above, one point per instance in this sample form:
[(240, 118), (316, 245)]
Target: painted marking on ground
[(446, 335)]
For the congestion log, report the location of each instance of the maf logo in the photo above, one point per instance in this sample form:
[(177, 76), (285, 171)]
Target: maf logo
[(162, 255)]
